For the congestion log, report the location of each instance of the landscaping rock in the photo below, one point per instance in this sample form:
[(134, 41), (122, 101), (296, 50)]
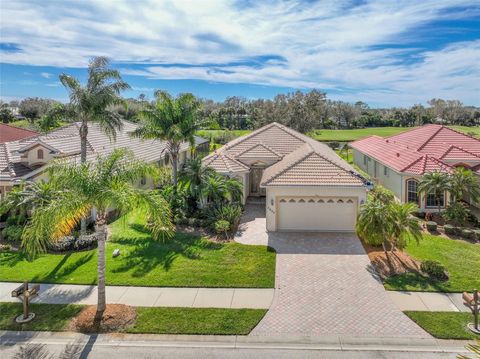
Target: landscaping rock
[(476, 234), (449, 229), (431, 226), (63, 244), (86, 241), (467, 233), (116, 253)]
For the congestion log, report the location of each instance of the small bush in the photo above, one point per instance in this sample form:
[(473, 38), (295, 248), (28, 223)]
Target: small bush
[(467, 233), (5, 247), (13, 233), (222, 227), (431, 226), (449, 229), (86, 241), (434, 270), (229, 212)]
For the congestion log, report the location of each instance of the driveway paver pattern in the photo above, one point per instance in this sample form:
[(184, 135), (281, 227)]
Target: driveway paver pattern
[(324, 285)]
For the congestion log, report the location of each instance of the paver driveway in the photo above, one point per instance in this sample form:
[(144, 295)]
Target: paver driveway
[(324, 286)]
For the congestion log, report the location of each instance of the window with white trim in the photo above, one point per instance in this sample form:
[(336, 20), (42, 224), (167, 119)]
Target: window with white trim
[(412, 191), (434, 201)]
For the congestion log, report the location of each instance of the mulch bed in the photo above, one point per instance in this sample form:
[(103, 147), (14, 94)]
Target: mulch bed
[(397, 262), (115, 318)]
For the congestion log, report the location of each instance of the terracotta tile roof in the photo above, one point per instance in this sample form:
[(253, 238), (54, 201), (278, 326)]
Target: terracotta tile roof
[(301, 160), (259, 151), (420, 150), (223, 163), (12, 133), (311, 166), (65, 142)]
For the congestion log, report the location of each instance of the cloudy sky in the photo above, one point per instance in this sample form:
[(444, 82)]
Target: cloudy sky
[(385, 53)]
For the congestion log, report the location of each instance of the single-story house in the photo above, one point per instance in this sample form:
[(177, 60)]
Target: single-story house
[(399, 162), (27, 159), (306, 185)]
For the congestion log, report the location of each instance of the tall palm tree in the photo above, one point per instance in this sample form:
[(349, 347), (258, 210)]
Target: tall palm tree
[(108, 183), (173, 120), (464, 182), (435, 183), (91, 102)]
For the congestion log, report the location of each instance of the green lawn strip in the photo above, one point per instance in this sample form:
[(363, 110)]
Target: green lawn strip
[(444, 325), (355, 134), (55, 317), (213, 321), (48, 317), (460, 258), (184, 261)]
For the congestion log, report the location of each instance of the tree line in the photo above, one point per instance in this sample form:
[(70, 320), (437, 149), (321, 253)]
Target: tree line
[(302, 111)]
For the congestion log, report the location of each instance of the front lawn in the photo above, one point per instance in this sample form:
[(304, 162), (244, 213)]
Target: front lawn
[(184, 261), (444, 325), (212, 321), (56, 317), (460, 258)]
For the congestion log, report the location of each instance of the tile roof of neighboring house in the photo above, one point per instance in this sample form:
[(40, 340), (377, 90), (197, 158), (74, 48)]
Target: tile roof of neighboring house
[(12, 133), (424, 149), (65, 142), (301, 160)]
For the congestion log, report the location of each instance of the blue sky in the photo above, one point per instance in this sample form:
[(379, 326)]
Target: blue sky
[(385, 53)]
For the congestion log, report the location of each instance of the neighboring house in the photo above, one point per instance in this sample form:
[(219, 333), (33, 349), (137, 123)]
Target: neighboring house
[(11, 133), (26, 159), (399, 162), (306, 185)]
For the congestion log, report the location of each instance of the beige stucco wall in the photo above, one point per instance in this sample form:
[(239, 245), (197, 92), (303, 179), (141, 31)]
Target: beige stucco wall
[(274, 193), (31, 157)]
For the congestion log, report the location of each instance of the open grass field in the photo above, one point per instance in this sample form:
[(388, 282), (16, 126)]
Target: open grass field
[(460, 258), (56, 317), (184, 261), (444, 325)]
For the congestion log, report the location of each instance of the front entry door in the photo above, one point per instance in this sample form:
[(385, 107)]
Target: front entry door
[(255, 178)]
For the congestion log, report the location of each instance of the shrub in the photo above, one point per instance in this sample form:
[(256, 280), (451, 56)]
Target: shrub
[(432, 226), (86, 241), (457, 213), (467, 233), (434, 270), (13, 233), (449, 229), (222, 227), (5, 247), (228, 212), (63, 244)]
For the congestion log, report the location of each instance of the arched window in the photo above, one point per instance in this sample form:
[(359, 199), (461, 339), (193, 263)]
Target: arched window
[(40, 154), (412, 191)]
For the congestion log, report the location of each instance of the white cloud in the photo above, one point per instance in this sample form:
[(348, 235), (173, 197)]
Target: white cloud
[(46, 75), (331, 45)]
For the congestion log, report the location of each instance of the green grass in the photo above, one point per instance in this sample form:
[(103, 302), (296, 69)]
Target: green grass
[(460, 258), (184, 261), (355, 134), (29, 126), (444, 325), (55, 317), (196, 321), (474, 130), (49, 317)]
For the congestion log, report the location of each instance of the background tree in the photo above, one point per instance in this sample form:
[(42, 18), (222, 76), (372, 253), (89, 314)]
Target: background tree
[(108, 183), (34, 107), (173, 120), (6, 115)]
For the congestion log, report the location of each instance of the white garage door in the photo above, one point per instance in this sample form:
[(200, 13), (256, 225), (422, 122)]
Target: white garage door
[(316, 214)]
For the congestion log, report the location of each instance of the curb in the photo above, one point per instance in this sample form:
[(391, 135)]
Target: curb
[(339, 343)]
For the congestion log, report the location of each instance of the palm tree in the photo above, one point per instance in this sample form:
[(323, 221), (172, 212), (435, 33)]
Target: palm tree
[(108, 183), (405, 225), (464, 182), (435, 183), (194, 175), (173, 120), (234, 189), (214, 189), (92, 102)]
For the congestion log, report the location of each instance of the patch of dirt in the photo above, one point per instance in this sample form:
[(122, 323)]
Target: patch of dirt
[(115, 318), (397, 262)]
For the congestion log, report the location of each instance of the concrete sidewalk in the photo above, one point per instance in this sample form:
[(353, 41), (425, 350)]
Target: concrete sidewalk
[(428, 301), (149, 296)]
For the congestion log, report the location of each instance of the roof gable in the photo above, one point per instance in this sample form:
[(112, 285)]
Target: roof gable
[(223, 163), (259, 151)]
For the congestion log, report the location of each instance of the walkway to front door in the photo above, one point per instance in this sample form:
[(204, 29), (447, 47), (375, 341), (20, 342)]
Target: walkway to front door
[(324, 286)]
